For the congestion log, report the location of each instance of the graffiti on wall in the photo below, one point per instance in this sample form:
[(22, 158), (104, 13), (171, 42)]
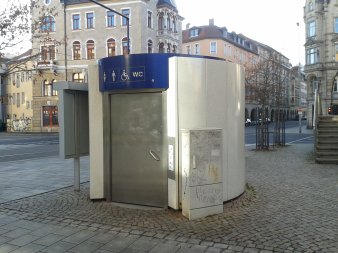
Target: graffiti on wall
[(19, 125)]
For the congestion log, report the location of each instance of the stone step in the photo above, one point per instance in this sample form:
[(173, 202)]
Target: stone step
[(323, 147), (332, 142), (327, 153), (328, 130), (327, 125), (327, 139), (327, 117), (327, 160)]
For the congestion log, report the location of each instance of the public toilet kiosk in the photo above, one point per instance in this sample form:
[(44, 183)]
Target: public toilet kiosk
[(167, 130)]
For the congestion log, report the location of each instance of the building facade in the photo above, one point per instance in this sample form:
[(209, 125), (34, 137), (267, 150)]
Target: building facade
[(298, 93), (18, 94), (217, 41), (69, 35), (212, 40), (321, 50)]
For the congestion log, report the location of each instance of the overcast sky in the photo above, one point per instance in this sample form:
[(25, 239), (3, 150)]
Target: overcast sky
[(271, 22)]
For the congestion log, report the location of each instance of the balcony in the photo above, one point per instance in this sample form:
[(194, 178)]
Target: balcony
[(45, 64), (167, 33), (313, 67)]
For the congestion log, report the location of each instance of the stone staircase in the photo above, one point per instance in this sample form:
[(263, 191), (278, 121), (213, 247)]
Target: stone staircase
[(327, 140)]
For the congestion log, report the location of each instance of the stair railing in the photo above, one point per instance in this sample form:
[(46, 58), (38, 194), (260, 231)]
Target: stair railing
[(317, 112)]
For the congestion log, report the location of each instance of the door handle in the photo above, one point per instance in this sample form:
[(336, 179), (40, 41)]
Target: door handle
[(154, 155)]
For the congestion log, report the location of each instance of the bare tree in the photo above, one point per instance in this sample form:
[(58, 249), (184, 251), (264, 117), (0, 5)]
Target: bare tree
[(14, 24), (267, 82), (17, 25)]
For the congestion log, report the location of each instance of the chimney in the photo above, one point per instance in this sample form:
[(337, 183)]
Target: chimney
[(211, 22), (187, 26)]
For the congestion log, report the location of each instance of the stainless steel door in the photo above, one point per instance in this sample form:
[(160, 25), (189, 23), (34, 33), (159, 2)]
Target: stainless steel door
[(136, 142)]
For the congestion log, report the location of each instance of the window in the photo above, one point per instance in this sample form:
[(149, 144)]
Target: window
[(51, 50), (161, 25), (311, 29), (312, 55), (126, 13), (335, 86), (47, 53), (90, 20), (336, 25), (150, 46), (17, 80), (161, 47), (310, 6), (48, 88), (169, 23), (48, 24), (44, 53), (193, 32), (150, 19), (168, 48), (125, 46), (197, 49), (188, 50), (27, 105), (76, 50), (90, 50), (110, 19), (76, 21), (13, 99), (23, 98), (111, 47), (17, 99), (50, 116), (78, 77), (315, 85), (213, 47)]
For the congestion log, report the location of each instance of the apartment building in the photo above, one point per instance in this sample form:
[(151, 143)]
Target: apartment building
[(18, 93), (298, 93), (68, 35), (212, 40), (321, 49)]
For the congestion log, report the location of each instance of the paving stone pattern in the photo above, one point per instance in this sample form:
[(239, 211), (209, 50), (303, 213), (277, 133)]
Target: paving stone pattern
[(290, 205)]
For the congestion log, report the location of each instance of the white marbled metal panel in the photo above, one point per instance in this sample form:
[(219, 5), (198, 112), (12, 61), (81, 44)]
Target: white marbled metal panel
[(202, 172)]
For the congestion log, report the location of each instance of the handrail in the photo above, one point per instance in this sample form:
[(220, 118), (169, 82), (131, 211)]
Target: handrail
[(317, 110)]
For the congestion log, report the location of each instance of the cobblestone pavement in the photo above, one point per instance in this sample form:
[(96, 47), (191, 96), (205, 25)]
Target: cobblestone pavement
[(290, 205)]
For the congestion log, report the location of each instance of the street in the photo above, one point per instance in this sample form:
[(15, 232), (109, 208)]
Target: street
[(18, 147), (292, 134), (15, 147)]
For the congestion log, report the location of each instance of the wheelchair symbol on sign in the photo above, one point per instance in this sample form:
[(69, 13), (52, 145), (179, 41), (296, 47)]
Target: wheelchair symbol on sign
[(124, 76)]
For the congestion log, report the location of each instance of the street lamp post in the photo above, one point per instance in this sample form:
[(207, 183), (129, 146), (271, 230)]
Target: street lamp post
[(120, 14)]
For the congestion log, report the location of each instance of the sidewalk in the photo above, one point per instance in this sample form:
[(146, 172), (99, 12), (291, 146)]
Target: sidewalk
[(290, 206)]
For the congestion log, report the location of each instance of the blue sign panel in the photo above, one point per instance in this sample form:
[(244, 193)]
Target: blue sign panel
[(138, 71)]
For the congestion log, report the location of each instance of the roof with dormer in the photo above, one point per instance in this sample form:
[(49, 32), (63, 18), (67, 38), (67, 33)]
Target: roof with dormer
[(160, 3)]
